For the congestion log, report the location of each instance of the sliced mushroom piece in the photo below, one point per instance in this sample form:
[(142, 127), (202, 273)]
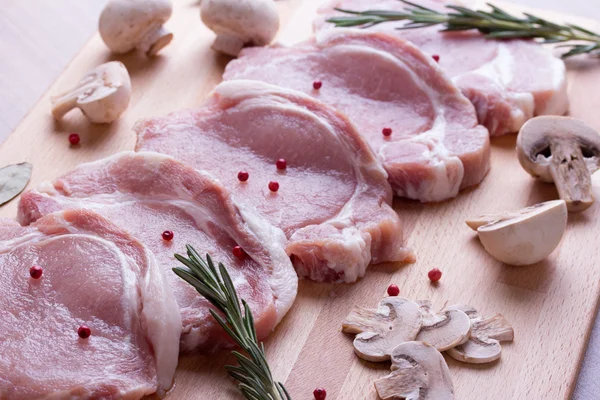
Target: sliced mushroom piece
[(443, 330), (527, 236), (129, 24), (562, 150), (419, 372), (395, 321), (486, 334), (238, 23), (102, 94)]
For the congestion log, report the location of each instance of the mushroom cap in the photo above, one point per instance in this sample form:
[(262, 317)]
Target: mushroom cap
[(533, 143), (419, 371), (396, 320), (445, 329), (527, 238), (108, 93), (252, 21), (124, 24), (484, 344)]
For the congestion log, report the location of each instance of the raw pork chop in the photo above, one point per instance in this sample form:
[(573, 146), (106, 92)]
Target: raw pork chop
[(333, 199), (148, 193), (94, 274), (508, 81), (379, 81)]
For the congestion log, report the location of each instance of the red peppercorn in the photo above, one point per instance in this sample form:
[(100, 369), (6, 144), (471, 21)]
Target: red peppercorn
[(317, 85), (281, 164), (435, 275), (74, 139), (36, 272), (387, 131), (436, 57), (320, 394), (168, 235), (243, 176), (239, 252), (393, 290), (84, 332), (273, 186)]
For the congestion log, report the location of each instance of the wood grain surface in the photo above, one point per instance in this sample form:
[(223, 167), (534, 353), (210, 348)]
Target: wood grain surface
[(551, 305)]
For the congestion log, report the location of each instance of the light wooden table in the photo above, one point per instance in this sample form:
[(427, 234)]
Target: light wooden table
[(39, 37)]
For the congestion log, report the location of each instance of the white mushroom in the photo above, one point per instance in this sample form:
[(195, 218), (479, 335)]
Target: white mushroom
[(239, 23), (102, 94), (128, 24), (524, 237), (419, 372), (562, 150), (396, 320), (486, 335), (443, 330)]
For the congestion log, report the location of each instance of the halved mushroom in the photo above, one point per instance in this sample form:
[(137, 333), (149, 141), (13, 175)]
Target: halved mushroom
[(128, 24), (102, 94), (395, 321), (523, 237), (562, 150), (419, 372), (486, 334), (238, 23), (443, 330)]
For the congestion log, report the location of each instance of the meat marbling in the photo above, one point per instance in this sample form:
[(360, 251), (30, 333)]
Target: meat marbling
[(94, 274), (148, 193), (380, 81), (508, 81), (333, 202)]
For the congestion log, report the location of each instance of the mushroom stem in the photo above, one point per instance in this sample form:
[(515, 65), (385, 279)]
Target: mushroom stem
[(571, 175), (361, 320), (155, 39), (228, 44), (65, 102)]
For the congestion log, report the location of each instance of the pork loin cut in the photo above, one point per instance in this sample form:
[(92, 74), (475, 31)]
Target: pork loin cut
[(333, 198), (148, 193), (94, 274), (379, 81), (508, 81)]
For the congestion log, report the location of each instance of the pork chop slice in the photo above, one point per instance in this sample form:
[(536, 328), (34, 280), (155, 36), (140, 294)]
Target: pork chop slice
[(333, 201), (94, 274), (149, 193), (508, 81), (379, 81)]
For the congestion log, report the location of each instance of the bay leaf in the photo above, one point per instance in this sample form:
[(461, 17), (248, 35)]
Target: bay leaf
[(13, 179)]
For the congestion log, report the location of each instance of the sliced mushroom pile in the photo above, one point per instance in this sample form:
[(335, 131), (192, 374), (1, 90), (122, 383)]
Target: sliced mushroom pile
[(412, 335)]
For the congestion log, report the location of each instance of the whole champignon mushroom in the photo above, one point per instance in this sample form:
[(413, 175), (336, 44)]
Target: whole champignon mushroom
[(419, 372), (396, 320), (128, 24), (102, 94), (239, 23), (562, 150), (486, 335), (443, 330), (524, 237)]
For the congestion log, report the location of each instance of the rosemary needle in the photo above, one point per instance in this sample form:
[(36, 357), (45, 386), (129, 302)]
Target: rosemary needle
[(495, 23), (253, 372)]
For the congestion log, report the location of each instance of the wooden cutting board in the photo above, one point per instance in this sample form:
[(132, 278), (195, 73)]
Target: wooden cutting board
[(551, 305)]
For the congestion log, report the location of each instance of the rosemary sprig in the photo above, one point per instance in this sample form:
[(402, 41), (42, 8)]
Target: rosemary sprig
[(253, 372), (495, 24)]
